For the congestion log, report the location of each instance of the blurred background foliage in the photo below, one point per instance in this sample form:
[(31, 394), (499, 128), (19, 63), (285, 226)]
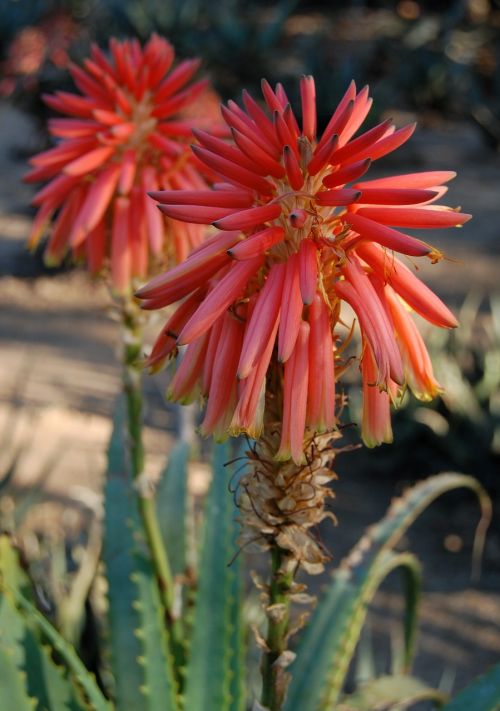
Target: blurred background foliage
[(438, 58)]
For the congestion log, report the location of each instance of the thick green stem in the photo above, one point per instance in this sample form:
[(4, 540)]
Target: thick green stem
[(133, 392), (274, 678)]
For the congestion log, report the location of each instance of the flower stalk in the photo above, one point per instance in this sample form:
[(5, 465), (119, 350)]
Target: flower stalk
[(274, 660), (132, 382)]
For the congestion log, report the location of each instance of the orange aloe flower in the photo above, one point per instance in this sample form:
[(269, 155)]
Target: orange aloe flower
[(298, 235), (127, 132)]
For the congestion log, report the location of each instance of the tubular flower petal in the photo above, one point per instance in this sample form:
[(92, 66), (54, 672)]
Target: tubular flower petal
[(305, 237), (129, 133)]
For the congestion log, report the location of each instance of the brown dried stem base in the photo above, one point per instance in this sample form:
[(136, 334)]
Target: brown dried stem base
[(282, 503)]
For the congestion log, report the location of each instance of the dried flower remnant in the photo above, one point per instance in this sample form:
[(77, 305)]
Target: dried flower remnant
[(300, 234), (127, 132)]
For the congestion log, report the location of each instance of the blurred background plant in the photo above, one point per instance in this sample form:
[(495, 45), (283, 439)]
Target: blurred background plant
[(442, 57)]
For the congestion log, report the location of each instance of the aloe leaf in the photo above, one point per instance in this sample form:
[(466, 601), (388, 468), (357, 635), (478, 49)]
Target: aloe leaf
[(385, 692), (67, 653), (327, 644), (482, 695), (171, 506), (44, 680), (213, 657), (159, 686), (13, 692), (141, 666)]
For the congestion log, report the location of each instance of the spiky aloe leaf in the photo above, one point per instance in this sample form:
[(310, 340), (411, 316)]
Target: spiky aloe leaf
[(214, 659), (13, 692), (141, 665), (386, 692), (171, 506), (482, 695), (76, 668), (44, 681), (330, 638)]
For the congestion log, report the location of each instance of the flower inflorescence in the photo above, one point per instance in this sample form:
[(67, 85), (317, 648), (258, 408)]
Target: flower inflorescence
[(299, 234), (126, 132)]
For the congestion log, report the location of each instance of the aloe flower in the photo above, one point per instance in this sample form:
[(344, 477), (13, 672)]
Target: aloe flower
[(126, 132), (299, 234)]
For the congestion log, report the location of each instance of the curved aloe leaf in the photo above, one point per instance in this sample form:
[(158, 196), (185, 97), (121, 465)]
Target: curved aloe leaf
[(482, 695), (141, 663), (327, 644), (387, 691), (216, 640)]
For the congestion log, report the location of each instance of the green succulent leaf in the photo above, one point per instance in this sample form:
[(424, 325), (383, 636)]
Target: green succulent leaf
[(329, 640), (45, 630), (387, 692), (13, 693), (171, 506), (214, 678), (482, 695), (139, 647)]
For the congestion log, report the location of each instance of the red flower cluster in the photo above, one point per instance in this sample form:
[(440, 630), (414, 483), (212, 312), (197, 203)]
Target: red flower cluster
[(127, 133), (298, 235)]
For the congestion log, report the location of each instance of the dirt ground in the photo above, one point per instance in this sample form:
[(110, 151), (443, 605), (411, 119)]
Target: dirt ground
[(59, 377)]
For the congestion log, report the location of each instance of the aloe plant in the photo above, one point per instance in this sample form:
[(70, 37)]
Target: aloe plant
[(195, 661)]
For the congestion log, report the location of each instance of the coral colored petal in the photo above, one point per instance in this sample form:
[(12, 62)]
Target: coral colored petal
[(96, 203), (407, 285), (353, 149), (389, 143), (360, 110), (233, 171), (244, 219), (322, 155), (386, 236), (194, 213), (204, 198), (395, 196), (428, 179), (376, 426), (120, 247), (291, 310), (415, 217), (222, 396), (308, 270), (418, 366), (249, 413), (220, 298), (262, 321), (347, 174), (321, 385), (292, 167), (127, 173), (339, 196), (295, 400), (257, 243), (341, 114), (265, 162), (375, 312), (184, 386), (198, 267), (89, 161), (308, 100)]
